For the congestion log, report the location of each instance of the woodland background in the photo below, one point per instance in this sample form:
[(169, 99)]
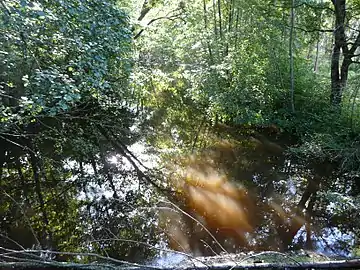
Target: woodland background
[(92, 90)]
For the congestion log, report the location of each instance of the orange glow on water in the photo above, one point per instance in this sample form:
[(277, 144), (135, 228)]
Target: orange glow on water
[(219, 202), (223, 208)]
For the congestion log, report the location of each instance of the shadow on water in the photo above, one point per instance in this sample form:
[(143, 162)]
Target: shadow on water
[(247, 193)]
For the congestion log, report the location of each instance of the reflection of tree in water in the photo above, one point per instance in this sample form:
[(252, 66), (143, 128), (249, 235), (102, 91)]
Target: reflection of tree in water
[(252, 196), (64, 92), (246, 192), (86, 212)]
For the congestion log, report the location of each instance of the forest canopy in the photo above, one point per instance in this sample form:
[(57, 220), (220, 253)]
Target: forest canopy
[(132, 128)]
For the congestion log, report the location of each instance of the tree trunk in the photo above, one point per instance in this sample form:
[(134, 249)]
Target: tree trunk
[(206, 31), (309, 245), (316, 61), (220, 19), (236, 28), (339, 70), (336, 80), (318, 38), (288, 230), (291, 56), (47, 241), (214, 17)]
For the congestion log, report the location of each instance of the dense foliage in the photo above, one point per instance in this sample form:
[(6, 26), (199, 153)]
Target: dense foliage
[(270, 87), (64, 89)]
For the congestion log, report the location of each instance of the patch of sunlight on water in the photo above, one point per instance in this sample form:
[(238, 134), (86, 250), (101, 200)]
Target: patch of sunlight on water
[(168, 260), (137, 149)]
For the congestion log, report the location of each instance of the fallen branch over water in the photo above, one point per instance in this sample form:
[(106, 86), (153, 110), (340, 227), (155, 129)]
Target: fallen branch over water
[(342, 264), (30, 259)]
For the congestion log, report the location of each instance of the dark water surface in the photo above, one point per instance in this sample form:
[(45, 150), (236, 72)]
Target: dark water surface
[(247, 192), (244, 192)]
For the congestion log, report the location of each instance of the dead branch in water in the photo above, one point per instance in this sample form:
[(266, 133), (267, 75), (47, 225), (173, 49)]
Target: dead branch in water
[(28, 259)]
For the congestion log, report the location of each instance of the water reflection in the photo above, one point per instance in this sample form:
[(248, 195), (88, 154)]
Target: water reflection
[(250, 195), (240, 194), (330, 241)]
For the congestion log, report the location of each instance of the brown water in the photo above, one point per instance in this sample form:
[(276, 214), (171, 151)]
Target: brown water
[(245, 192)]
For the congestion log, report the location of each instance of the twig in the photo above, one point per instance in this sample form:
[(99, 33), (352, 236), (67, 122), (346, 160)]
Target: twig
[(87, 254), (26, 263), (171, 18), (208, 246), (152, 247), (198, 222), (36, 257), (25, 217), (156, 248), (269, 253), (11, 240)]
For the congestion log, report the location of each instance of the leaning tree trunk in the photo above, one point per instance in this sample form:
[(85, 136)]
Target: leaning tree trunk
[(340, 69)]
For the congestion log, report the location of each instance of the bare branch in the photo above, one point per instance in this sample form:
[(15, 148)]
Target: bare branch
[(150, 246), (171, 18), (25, 217), (197, 221), (314, 30), (355, 45), (11, 240), (85, 254), (305, 4)]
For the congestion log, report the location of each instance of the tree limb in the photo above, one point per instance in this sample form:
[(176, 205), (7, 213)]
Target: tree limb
[(314, 30), (171, 18), (305, 4)]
